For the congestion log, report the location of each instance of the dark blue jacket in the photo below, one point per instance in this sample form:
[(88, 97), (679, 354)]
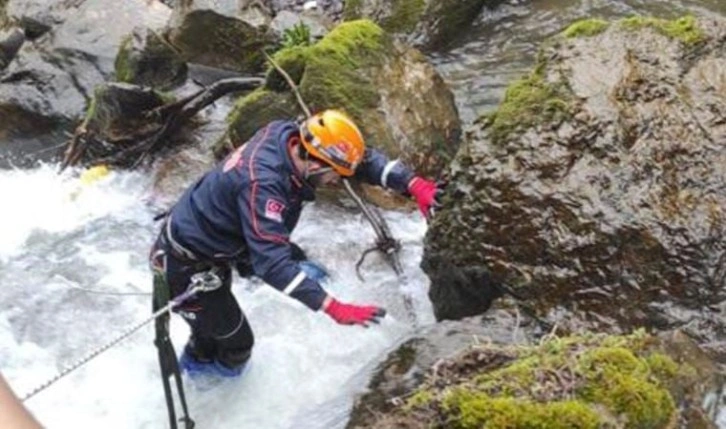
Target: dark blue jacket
[(247, 206)]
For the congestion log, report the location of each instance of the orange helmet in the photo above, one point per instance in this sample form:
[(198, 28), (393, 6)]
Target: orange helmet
[(331, 136)]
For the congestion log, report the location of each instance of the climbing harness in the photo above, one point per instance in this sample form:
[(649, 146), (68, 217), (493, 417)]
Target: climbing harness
[(206, 281)]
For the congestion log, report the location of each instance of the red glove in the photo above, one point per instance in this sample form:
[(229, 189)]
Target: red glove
[(427, 195), (348, 314)]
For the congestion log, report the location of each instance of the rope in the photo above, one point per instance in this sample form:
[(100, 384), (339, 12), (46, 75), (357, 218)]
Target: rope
[(97, 291), (201, 282), (96, 352), (102, 292)]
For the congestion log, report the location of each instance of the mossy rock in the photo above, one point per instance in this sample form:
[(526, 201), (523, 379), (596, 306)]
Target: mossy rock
[(146, 59), (536, 98), (430, 23), (587, 381), (117, 110), (250, 112), (601, 102), (353, 68), (684, 29), (327, 74), (207, 38), (4, 22), (531, 100), (585, 28)]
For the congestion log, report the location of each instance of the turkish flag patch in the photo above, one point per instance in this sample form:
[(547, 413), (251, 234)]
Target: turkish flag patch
[(274, 209)]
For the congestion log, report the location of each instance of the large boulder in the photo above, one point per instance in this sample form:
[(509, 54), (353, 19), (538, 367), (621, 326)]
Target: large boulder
[(406, 368), (146, 59), (429, 24), (227, 34), (47, 86), (598, 184), (10, 42), (585, 381), (394, 94)]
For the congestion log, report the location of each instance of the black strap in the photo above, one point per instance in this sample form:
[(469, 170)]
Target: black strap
[(161, 215), (168, 362)]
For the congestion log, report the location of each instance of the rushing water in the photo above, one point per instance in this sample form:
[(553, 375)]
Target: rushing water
[(73, 257), (62, 244)]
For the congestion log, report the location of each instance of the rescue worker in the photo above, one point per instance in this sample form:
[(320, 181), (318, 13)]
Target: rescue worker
[(242, 212)]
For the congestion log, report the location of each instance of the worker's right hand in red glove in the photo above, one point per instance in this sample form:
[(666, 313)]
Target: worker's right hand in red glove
[(427, 194), (349, 314)]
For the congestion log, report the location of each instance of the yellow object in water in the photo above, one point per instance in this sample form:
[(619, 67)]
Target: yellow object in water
[(93, 174)]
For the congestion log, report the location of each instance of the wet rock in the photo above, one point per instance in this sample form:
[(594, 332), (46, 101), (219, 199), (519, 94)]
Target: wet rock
[(119, 107), (10, 43), (406, 368), (286, 21), (34, 86), (51, 80), (223, 34), (586, 381), (331, 9), (396, 97), (36, 17), (428, 24), (145, 59), (4, 21), (597, 187)]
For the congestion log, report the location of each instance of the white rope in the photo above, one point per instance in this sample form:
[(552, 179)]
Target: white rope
[(103, 292), (98, 291)]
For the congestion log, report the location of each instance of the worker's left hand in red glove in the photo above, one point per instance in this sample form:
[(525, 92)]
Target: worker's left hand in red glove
[(350, 314)]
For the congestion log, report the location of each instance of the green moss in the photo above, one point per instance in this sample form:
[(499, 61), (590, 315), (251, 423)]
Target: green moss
[(293, 60), (512, 379), (526, 102), (327, 73), (351, 42), (404, 16), (663, 367), (621, 381), (332, 75), (585, 28), (420, 398), (252, 112), (92, 108), (685, 29), (3, 14), (122, 65), (471, 410), (298, 35), (575, 382), (166, 97)]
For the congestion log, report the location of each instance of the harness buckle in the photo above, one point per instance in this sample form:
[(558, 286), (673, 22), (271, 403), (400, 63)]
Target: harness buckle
[(205, 281)]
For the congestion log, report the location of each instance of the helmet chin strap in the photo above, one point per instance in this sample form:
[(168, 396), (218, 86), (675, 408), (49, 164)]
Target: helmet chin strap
[(306, 161)]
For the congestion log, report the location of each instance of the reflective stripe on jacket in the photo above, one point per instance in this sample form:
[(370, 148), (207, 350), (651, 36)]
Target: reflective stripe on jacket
[(248, 205)]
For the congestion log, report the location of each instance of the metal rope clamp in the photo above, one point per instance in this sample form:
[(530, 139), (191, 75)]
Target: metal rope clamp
[(205, 281)]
